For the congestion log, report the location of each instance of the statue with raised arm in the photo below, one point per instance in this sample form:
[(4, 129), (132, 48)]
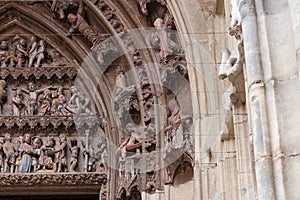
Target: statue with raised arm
[(33, 97)]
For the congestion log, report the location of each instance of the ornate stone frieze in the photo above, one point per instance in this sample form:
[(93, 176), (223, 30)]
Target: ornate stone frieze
[(57, 179), (48, 72), (45, 121)]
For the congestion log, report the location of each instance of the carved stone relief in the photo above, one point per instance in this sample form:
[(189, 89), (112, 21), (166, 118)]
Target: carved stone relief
[(19, 51)]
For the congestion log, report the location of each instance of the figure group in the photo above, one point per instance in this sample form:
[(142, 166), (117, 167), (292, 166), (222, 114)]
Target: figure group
[(18, 52), (22, 54), (32, 154), (48, 101)]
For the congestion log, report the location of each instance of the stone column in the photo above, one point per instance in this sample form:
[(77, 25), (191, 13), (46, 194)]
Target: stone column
[(270, 61)]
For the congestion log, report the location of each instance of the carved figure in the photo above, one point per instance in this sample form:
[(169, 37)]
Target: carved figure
[(37, 151), (33, 95), (78, 103), (130, 144), (19, 158), (26, 151), (4, 53), (121, 82), (2, 93), (57, 59), (1, 154), (74, 149), (40, 54), (173, 113), (78, 23), (91, 155), (10, 152), (143, 5), (37, 52), (162, 39), (59, 103), (22, 53), (235, 24), (33, 45), (102, 153), (48, 153), (62, 151), (18, 104), (59, 7), (45, 103)]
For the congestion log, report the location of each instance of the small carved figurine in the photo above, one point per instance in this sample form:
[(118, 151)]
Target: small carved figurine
[(22, 53), (78, 102), (10, 152), (19, 158), (48, 153), (102, 153), (62, 151), (74, 149), (78, 23), (33, 45), (4, 53), (26, 151), (37, 151), (1, 154), (91, 158), (18, 105), (3, 93)]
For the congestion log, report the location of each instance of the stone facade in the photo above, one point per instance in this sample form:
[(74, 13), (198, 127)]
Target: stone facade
[(149, 99)]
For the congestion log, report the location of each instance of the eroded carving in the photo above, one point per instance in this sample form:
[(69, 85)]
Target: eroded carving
[(143, 5)]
